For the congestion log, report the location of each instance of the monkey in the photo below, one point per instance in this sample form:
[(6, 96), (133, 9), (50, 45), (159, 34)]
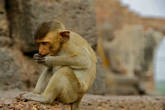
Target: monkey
[(70, 65)]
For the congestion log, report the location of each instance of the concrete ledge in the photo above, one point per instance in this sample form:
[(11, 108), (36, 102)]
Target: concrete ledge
[(91, 102)]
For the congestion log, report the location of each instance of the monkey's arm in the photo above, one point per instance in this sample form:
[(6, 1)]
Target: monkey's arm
[(77, 62)]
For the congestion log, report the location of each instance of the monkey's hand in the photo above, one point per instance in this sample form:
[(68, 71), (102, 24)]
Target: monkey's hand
[(39, 59), (46, 60)]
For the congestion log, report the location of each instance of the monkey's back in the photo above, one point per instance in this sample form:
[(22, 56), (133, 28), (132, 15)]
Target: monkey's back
[(82, 43), (83, 48)]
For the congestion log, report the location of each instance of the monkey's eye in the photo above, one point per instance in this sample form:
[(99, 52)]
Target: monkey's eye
[(44, 43)]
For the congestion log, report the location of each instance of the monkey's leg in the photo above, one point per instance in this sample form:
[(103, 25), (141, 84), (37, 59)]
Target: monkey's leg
[(52, 90), (43, 81), (63, 85), (75, 105)]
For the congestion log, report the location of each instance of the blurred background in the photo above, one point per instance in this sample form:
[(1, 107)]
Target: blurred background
[(153, 9), (127, 36)]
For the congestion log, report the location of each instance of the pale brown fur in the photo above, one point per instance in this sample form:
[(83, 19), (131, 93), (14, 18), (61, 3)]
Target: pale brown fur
[(70, 71)]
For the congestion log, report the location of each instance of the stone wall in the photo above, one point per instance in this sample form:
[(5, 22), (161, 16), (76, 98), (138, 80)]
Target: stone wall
[(129, 42), (26, 15), (4, 26), (118, 15), (131, 55), (18, 22)]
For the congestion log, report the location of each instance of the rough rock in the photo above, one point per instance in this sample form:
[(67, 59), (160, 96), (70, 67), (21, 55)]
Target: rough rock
[(16, 70), (118, 15), (106, 31), (99, 83), (91, 102), (26, 15), (4, 26), (117, 84), (8, 69), (145, 65), (131, 53)]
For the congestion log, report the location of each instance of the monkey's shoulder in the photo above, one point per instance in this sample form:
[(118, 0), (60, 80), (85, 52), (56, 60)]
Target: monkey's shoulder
[(78, 46), (75, 44), (78, 39)]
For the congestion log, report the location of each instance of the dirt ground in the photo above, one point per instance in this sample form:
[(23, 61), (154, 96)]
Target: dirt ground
[(89, 102)]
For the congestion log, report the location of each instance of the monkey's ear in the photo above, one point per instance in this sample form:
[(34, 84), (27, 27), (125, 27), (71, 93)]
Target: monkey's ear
[(65, 35)]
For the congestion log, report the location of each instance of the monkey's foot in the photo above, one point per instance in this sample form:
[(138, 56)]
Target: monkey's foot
[(36, 92), (35, 97)]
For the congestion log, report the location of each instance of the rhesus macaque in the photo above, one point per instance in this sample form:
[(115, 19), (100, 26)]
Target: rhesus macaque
[(70, 62)]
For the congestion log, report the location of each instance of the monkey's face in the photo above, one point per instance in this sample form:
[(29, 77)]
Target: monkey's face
[(52, 42), (58, 39), (44, 48), (44, 45)]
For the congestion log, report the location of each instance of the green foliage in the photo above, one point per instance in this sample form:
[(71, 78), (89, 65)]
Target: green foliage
[(160, 86)]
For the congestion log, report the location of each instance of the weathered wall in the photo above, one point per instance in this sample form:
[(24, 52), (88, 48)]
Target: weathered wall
[(124, 45), (15, 68), (129, 49), (113, 12), (155, 23), (131, 54), (18, 22), (4, 25), (99, 83), (26, 15)]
